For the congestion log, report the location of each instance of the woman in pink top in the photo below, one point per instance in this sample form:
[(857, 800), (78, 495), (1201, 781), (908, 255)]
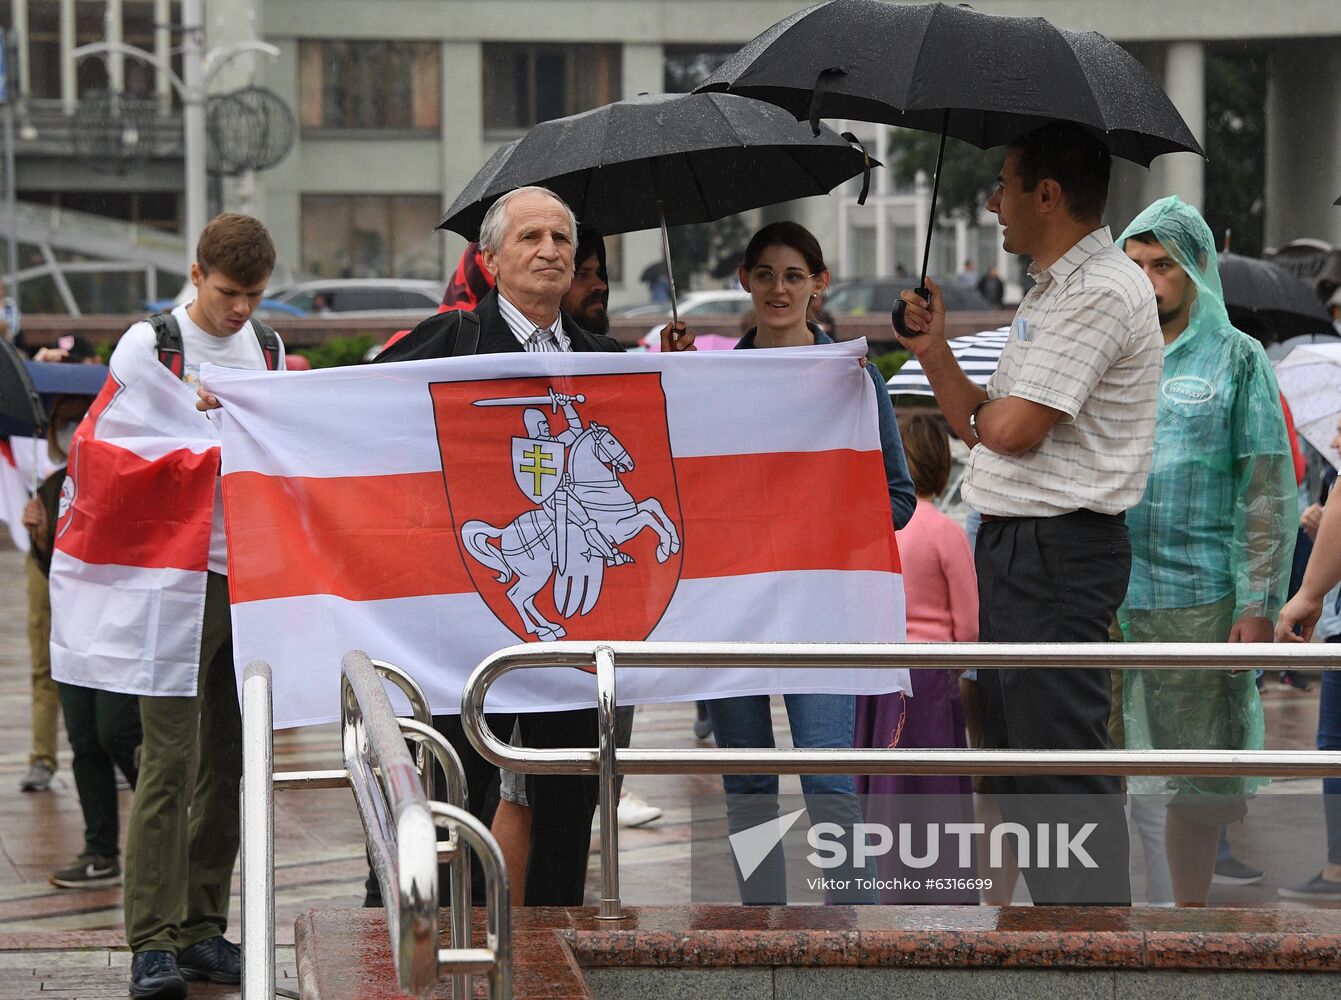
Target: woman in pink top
[(941, 590)]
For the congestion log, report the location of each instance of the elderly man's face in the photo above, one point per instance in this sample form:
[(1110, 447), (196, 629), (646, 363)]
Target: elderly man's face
[(589, 297), (534, 264)]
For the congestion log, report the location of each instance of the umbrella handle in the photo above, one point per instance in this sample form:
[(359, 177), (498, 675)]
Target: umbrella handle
[(896, 314), (670, 272)]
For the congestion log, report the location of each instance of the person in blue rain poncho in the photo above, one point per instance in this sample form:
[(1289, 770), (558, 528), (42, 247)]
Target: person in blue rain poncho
[(1212, 538)]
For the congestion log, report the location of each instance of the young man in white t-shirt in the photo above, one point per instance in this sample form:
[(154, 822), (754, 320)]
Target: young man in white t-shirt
[(180, 851)]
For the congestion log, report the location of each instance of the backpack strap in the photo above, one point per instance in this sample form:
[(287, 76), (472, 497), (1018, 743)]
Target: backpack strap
[(168, 343), (269, 341), (467, 335)]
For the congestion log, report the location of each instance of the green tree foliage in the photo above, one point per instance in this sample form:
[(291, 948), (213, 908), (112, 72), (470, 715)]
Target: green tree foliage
[(968, 173), (338, 351), (1236, 147), (890, 362)]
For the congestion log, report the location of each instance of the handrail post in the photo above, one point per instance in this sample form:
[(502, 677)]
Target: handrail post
[(258, 835), (498, 915), (609, 791), (396, 819), (429, 739)]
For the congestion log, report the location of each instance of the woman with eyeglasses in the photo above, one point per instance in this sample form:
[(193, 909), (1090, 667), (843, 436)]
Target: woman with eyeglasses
[(784, 271)]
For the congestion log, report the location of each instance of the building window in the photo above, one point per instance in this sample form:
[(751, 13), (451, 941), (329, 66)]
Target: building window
[(42, 46), (371, 236), (370, 85), (689, 65), (44, 49), (527, 84)]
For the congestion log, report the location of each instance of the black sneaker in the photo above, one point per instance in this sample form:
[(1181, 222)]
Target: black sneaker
[(1315, 888), (1232, 871), (86, 872), (215, 959), (154, 976)]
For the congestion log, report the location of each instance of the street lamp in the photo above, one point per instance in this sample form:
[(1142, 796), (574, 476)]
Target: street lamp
[(192, 87)]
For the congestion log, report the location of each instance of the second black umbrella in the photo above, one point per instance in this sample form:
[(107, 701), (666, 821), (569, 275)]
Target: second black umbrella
[(984, 78), (1282, 303)]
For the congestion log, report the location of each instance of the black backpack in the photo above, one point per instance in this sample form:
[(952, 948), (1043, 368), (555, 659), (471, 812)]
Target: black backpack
[(168, 343)]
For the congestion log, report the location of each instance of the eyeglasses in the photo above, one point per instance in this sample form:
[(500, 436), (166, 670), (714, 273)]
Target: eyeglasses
[(764, 278)]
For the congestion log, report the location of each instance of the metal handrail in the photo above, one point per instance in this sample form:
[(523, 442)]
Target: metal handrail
[(454, 850), (393, 801), (495, 959), (396, 819), (608, 762)]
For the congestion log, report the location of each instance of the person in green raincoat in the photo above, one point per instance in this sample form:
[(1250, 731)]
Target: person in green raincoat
[(1212, 539)]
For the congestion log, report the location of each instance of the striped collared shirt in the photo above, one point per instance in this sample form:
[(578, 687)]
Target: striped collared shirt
[(1085, 341), (534, 340)]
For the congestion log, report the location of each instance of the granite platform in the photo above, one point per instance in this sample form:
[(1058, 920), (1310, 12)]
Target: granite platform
[(740, 953)]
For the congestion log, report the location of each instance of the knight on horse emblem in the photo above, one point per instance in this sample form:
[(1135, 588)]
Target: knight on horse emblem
[(581, 513)]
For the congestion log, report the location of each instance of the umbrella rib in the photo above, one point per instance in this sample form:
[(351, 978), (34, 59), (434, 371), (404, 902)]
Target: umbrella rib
[(790, 151), (698, 184)]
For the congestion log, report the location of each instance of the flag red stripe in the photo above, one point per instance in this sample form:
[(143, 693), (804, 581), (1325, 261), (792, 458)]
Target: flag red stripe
[(364, 538), (780, 511), (134, 512), (382, 537)]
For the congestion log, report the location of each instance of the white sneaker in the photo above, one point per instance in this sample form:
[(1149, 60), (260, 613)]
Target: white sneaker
[(633, 811)]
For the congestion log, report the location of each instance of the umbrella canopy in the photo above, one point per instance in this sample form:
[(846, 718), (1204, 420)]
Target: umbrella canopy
[(984, 78), (667, 159), (48, 380), (1309, 378), (700, 156), (1283, 302), (20, 405), (978, 355), (998, 76)]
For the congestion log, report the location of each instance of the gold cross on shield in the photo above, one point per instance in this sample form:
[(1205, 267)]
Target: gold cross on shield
[(537, 469)]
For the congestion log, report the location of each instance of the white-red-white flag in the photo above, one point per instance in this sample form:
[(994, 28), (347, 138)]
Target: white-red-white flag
[(18, 456), (433, 512), (133, 536)]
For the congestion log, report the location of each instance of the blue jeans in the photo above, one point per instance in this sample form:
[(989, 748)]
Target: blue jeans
[(817, 720), (1329, 738)]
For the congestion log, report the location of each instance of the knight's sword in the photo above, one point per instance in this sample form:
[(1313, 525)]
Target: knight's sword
[(524, 401)]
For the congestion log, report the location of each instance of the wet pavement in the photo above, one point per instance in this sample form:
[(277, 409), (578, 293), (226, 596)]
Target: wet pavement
[(70, 943)]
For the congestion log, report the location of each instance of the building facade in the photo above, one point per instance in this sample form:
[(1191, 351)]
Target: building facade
[(398, 103)]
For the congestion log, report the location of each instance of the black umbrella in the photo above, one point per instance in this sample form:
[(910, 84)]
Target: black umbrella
[(1260, 294), (668, 159), (21, 409), (19, 399), (984, 78)]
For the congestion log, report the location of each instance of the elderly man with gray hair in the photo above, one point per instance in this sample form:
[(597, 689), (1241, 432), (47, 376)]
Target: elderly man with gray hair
[(527, 240)]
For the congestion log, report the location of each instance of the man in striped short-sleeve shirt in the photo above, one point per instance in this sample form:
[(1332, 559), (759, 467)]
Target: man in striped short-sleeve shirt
[(1061, 446)]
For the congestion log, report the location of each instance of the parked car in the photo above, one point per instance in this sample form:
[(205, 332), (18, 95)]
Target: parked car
[(708, 302), (864, 296), (354, 296), (269, 311)]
